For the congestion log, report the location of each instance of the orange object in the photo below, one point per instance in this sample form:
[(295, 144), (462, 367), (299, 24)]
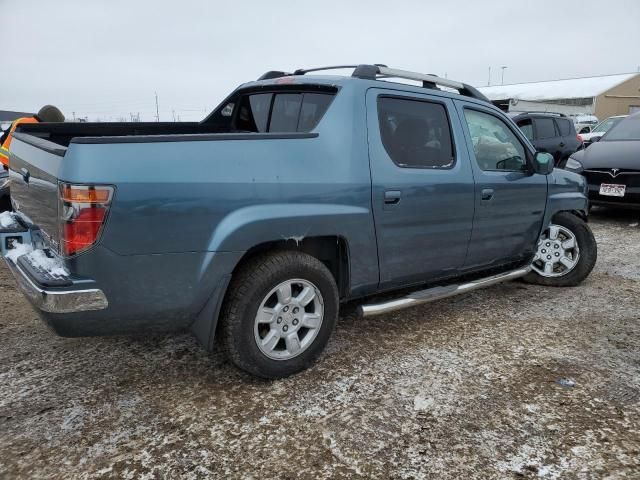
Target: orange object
[(4, 148)]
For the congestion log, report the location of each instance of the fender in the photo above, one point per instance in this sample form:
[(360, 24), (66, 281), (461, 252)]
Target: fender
[(567, 191), (253, 225)]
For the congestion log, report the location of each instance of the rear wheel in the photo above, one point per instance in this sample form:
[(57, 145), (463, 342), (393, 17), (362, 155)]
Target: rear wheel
[(279, 314), (566, 253)]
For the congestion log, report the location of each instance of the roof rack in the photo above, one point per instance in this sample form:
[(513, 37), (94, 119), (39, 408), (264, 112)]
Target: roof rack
[(380, 71), (541, 112)]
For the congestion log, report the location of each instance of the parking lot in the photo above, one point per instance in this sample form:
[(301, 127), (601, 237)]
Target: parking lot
[(512, 381)]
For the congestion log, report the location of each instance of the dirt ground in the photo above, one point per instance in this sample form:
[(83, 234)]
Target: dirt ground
[(514, 381)]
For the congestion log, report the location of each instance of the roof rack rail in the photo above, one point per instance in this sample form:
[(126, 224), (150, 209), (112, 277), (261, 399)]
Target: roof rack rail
[(541, 112), (381, 71)]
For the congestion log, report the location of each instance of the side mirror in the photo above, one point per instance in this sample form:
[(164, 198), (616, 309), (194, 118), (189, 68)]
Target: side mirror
[(543, 163), (595, 139), (585, 130)]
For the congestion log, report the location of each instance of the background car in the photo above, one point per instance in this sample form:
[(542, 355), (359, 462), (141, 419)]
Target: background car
[(549, 132), (583, 121), (587, 133), (611, 165)]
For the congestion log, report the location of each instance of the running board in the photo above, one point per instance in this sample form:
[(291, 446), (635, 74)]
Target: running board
[(438, 293)]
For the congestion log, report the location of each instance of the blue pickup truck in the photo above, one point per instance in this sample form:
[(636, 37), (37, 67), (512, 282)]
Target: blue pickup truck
[(301, 192)]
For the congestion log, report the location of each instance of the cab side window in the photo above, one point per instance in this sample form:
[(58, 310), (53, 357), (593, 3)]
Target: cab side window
[(415, 133), (495, 146)]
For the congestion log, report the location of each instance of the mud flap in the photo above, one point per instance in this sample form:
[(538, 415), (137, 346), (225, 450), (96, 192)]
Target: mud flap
[(204, 327)]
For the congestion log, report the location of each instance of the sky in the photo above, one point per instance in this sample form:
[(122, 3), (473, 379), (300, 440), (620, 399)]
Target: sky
[(106, 59)]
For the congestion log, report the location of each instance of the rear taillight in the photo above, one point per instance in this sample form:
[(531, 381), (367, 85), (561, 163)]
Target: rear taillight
[(579, 137), (83, 212)]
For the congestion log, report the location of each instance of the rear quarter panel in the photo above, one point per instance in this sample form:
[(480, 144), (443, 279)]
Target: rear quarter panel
[(181, 197)]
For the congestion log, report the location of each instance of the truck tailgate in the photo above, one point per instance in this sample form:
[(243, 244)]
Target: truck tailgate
[(34, 164)]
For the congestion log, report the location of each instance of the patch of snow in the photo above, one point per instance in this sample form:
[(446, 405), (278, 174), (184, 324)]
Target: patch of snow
[(421, 403), (567, 382), (7, 220), (554, 89), (53, 266), (295, 238), (633, 224), (17, 251)]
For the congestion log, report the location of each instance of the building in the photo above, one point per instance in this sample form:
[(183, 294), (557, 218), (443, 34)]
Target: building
[(602, 96)]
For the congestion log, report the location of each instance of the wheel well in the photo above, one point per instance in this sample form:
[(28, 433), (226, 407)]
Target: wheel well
[(581, 214), (331, 250)]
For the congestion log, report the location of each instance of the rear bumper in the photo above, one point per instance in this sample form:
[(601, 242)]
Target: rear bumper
[(57, 301), (46, 293)]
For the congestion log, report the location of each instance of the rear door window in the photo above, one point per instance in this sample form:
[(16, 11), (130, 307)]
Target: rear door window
[(564, 127), (545, 128), (415, 133)]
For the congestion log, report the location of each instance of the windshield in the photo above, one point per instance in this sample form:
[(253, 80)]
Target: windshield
[(605, 125), (627, 129)]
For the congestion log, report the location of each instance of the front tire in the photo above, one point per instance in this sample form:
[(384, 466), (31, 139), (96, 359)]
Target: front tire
[(566, 254), (279, 313)]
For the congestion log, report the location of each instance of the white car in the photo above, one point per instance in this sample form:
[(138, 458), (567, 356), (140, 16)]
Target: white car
[(600, 129)]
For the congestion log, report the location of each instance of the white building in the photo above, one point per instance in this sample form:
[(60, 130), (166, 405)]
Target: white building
[(602, 96)]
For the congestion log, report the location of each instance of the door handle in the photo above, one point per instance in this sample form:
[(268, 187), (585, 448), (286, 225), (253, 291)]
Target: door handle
[(392, 197), (487, 194)]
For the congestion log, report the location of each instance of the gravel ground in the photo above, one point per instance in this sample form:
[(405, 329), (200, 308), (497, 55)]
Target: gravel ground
[(510, 382)]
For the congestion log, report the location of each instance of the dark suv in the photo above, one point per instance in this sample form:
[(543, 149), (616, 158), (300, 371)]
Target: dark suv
[(549, 132)]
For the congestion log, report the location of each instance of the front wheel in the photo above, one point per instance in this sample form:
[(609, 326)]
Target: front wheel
[(566, 253), (279, 313)]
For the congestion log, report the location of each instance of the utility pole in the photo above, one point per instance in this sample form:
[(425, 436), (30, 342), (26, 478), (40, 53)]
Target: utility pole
[(173, 112), (157, 111), (503, 69), (489, 81)]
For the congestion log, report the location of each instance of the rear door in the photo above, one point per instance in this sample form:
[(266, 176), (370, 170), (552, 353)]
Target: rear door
[(422, 186), (510, 200), (547, 136), (568, 138)]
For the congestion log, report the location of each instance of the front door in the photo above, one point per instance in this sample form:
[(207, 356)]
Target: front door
[(422, 186), (510, 199)]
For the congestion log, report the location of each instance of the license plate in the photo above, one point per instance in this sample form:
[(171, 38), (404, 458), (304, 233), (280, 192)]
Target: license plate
[(612, 190)]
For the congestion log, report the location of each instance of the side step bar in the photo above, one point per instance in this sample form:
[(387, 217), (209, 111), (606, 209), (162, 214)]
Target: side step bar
[(438, 293)]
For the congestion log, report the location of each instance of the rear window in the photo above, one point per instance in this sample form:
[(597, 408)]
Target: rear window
[(564, 126), (277, 112), (545, 128), (415, 133)]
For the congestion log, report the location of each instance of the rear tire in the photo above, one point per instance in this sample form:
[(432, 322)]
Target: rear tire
[(567, 252), (279, 313)]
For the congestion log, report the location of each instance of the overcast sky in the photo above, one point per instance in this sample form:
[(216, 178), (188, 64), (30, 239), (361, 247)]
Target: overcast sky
[(106, 58)]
